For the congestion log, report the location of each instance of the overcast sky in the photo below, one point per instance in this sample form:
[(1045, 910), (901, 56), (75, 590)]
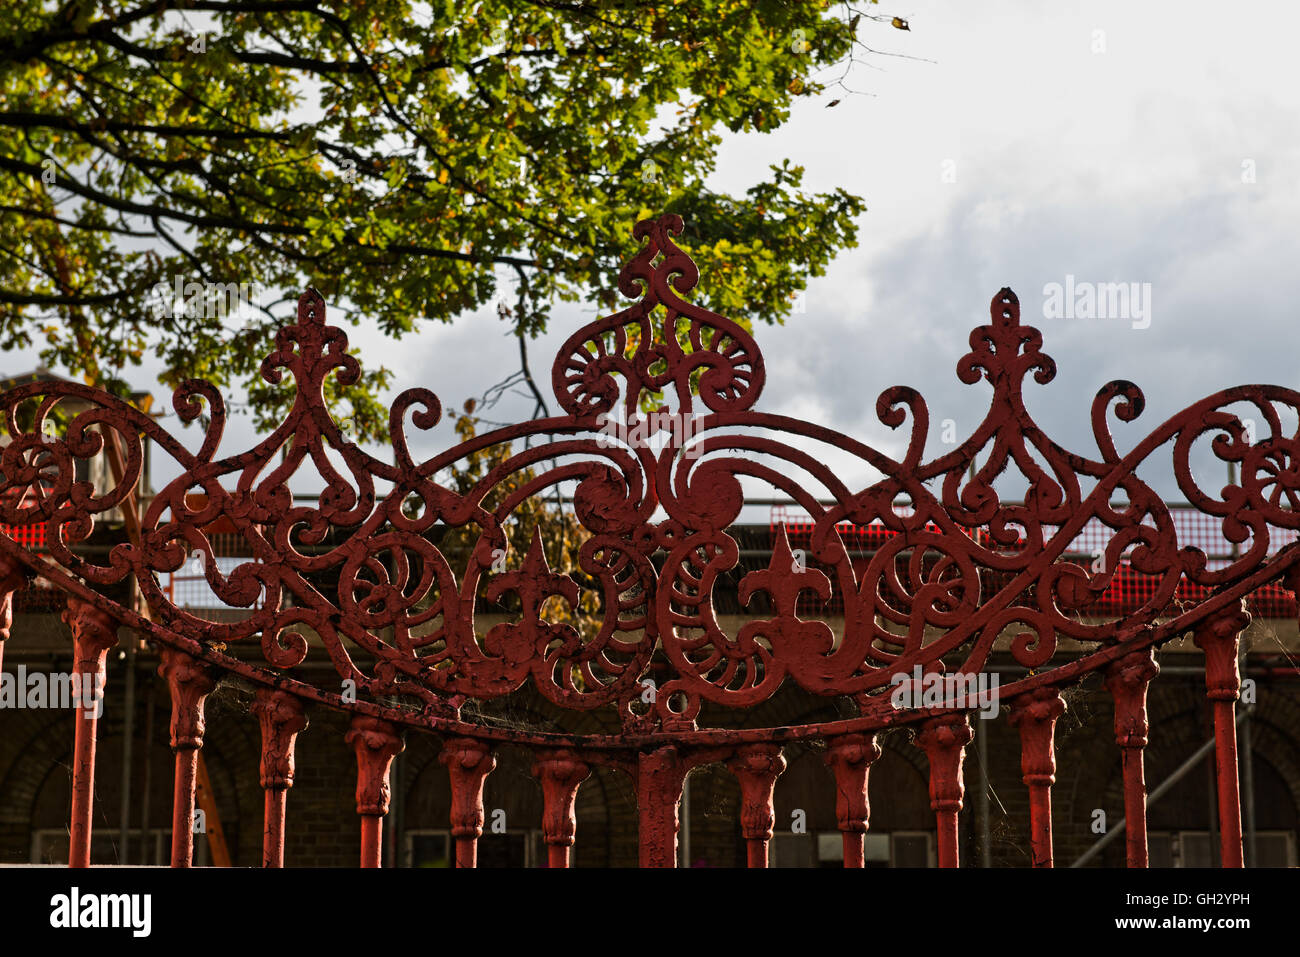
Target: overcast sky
[(1107, 141)]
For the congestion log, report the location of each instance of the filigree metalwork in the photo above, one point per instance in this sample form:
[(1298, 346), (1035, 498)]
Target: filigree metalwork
[(962, 568)]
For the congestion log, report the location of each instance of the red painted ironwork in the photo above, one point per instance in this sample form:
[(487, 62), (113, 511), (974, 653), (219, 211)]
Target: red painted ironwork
[(281, 717), (757, 766), (659, 777), (12, 577), (1218, 638), (560, 774), (1035, 716), (468, 762), (1127, 680), (850, 757), (960, 570), (376, 743), (190, 680), (944, 740), (1129, 589), (93, 633)]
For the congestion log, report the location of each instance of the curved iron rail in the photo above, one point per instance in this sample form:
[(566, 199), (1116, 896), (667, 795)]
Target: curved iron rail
[(963, 571)]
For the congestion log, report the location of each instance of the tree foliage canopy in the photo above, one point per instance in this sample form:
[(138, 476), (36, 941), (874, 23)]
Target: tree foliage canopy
[(412, 160)]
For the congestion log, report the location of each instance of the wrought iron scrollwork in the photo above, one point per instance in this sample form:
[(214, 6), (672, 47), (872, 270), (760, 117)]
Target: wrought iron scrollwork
[(960, 568)]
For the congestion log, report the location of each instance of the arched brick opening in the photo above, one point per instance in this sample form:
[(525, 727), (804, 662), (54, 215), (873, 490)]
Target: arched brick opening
[(1180, 726)]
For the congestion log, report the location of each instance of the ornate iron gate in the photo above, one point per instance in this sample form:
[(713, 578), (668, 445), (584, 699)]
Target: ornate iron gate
[(959, 571)]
